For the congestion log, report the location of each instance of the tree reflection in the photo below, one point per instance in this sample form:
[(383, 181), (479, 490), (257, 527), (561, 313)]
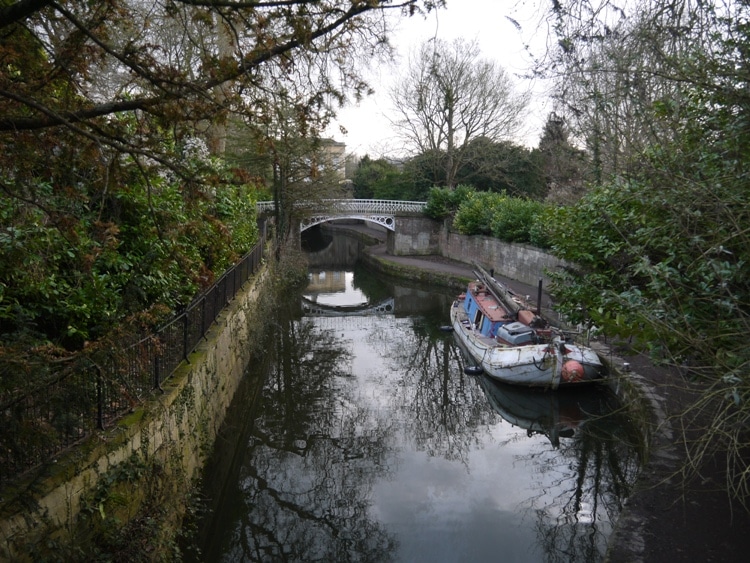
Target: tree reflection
[(594, 466), (446, 410), (591, 458), (347, 401), (313, 456)]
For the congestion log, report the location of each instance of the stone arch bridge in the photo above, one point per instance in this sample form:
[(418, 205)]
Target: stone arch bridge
[(409, 231)]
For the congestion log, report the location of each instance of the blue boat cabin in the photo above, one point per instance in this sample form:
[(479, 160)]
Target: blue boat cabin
[(492, 320)]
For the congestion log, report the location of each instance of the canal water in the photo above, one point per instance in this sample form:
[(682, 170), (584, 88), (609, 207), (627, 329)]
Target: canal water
[(358, 437)]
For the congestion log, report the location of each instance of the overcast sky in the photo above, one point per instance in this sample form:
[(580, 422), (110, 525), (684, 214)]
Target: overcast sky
[(486, 21)]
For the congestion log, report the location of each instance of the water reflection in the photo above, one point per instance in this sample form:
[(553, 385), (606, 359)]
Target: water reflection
[(556, 415), (314, 454), (369, 443), (334, 289), (595, 466)]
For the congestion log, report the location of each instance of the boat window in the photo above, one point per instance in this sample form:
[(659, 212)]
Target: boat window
[(478, 320)]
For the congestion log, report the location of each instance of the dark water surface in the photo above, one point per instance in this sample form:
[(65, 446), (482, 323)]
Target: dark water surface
[(359, 438)]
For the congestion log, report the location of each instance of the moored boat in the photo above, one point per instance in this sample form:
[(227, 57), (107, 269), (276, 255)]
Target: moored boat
[(515, 345)]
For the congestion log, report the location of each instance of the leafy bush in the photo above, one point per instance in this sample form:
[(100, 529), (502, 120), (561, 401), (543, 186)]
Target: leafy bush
[(507, 218), (514, 219), (444, 202), (476, 212), (538, 231), (77, 259)]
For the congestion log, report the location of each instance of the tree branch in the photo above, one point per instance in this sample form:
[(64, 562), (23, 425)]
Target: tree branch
[(53, 118), (20, 11), (251, 5)]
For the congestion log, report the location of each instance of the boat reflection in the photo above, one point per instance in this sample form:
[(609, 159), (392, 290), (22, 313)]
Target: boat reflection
[(554, 414)]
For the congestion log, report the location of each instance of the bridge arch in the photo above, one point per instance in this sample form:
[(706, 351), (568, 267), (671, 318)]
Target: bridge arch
[(384, 307), (387, 221)]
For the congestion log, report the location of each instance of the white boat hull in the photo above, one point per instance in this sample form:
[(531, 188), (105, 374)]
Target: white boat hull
[(532, 365)]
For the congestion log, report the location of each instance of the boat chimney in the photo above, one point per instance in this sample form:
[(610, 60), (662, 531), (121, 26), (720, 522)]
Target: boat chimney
[(539, 299)]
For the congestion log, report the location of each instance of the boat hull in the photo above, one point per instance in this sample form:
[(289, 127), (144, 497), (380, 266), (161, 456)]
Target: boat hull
[(532, 365)]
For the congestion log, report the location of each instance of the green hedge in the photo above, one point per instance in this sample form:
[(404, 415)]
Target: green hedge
[(498, 215)]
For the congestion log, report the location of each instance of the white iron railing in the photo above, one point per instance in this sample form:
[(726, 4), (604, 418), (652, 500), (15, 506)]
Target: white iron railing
[(352, 206)]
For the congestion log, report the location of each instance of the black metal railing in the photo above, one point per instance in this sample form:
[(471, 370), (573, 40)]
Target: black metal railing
[(93, 394)]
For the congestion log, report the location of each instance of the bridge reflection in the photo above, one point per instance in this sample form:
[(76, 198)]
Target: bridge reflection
[(313, 309), (342, 290)]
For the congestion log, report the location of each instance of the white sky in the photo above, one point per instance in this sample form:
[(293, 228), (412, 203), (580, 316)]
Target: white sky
[(368, 129)]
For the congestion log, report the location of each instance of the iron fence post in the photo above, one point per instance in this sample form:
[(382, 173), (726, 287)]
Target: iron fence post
[(157, 382), (99, 399), (203, 317), (185, 326)]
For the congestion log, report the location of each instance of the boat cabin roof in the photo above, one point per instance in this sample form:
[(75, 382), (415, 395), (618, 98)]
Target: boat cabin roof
[(491, 308)]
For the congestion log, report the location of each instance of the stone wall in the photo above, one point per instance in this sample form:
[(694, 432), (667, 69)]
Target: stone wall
[(156, 452), (414, 236), (520, 262), (421, 236)]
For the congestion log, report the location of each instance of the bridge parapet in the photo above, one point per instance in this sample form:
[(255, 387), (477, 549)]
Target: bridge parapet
[(330, 206)]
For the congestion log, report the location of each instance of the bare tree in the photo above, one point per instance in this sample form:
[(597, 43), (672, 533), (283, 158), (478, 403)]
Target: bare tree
[(619, 67), (449, 97)]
